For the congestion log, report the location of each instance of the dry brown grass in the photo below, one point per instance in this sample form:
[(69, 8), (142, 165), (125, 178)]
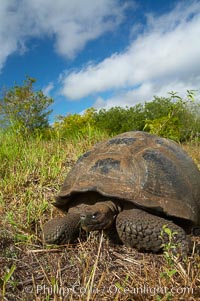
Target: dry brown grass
[(194, 151), (90, 270), (94, 270)]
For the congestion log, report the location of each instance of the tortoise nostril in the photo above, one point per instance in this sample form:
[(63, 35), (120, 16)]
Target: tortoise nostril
[(83, 216)]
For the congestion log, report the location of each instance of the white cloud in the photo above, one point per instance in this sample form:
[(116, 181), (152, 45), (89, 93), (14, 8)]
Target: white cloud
[(71, 23), (165, 56), (46, 90), (146, 92), (75, 22)]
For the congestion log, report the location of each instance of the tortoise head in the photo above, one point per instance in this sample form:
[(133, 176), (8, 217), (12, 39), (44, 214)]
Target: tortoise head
[(99, 216)]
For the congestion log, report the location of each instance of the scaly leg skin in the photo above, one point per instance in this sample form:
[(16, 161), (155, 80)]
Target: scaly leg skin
[(62, 230), (142, 230)]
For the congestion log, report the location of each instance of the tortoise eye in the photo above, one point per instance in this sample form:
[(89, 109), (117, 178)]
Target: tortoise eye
[(94, 215)]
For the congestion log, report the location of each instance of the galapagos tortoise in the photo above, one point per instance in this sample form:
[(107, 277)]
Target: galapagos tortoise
[(130, 186)]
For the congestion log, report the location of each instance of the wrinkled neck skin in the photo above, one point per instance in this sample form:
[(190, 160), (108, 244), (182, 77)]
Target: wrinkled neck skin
[(113, 206)]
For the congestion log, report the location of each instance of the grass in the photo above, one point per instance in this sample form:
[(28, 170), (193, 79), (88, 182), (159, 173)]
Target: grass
[(32, 171)]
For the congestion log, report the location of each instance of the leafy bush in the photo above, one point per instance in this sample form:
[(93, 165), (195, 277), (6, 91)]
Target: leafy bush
[(172, 117), (118, 120), (70, 125), (24, 110), (163, 116)]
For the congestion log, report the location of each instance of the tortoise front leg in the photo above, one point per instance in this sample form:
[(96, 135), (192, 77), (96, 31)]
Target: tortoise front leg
[(62, 230), (112, 235), (142, 230)]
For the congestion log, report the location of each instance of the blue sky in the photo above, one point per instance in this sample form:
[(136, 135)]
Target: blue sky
[(100, 53)]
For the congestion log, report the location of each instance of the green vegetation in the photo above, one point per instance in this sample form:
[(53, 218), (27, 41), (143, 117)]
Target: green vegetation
[(32, 169), (24, 110), (172, 117)]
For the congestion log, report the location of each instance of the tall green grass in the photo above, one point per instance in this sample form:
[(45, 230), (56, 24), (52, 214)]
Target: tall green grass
[(32, 168)]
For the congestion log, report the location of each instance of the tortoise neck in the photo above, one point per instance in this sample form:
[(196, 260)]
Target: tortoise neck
[(114, 206)]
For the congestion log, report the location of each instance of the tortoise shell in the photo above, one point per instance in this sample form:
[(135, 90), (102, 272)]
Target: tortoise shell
[(141, 168)]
